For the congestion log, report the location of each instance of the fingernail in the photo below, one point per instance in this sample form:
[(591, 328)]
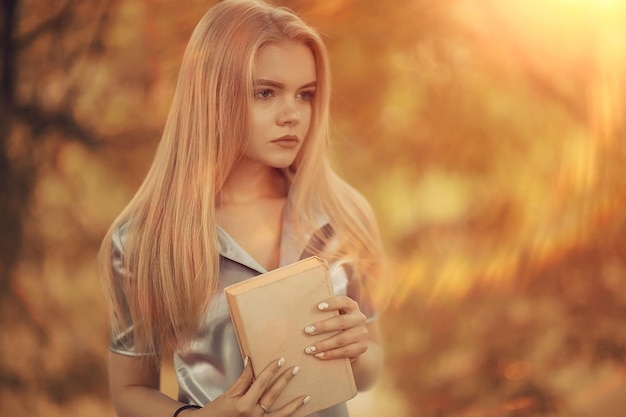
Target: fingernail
[(281, 362), (309, 329), (322, 306), (245, 362), (319, 355), (306, 399), (310, 349), (295, 370)]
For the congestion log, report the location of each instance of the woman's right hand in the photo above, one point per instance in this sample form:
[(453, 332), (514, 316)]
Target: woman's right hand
[(245, 396)]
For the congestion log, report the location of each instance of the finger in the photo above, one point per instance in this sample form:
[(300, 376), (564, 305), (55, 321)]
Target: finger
[(351, 352), (291, 407), (270, 396), (336, 323), (355, 341), (340, 303), (243, 382), (263, 380)]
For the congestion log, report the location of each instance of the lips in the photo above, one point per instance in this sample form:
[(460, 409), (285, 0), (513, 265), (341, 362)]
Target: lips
[(287, 141)]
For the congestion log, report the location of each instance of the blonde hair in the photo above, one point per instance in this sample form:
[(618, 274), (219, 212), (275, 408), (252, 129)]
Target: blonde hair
[(171, 243)]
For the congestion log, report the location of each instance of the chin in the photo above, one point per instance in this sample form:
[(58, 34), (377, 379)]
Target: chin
[(281, 163)]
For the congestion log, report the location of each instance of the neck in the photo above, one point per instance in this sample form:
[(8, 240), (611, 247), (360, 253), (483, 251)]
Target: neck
[(250, 181)]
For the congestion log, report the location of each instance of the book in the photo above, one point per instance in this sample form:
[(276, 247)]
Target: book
[(269, 313)]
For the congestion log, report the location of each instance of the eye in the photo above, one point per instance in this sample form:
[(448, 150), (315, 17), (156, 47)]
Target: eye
[(264, 94), (306, 95)]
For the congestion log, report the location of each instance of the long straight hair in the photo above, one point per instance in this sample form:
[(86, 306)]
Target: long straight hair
[(170, 248)]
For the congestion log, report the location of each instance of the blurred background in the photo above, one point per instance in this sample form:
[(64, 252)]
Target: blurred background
[(488, 135)]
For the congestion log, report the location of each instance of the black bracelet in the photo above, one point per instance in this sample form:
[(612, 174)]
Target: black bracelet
[(186, 407)]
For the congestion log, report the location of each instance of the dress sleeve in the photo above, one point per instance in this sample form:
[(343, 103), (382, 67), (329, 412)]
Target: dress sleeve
[(122, 339)]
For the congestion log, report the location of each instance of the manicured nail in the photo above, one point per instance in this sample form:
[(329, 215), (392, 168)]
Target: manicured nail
[(319, 355), (322, 306), (245, 362), (309, 329), (295, 370), (310, 349), (306, 399), (281, 362)]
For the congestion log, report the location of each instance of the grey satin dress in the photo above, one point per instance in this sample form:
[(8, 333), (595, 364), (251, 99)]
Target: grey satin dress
[(212, 362)]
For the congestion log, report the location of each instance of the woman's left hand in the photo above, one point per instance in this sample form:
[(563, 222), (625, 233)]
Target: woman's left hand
[(349, 328)]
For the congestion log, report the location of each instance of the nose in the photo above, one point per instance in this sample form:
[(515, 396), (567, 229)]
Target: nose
[(289, 113)]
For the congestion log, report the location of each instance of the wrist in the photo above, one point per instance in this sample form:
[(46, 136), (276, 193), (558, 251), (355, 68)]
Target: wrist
[(184, 410)]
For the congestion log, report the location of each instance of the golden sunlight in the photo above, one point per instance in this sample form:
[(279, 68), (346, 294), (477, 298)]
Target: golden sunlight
[(567, 58)]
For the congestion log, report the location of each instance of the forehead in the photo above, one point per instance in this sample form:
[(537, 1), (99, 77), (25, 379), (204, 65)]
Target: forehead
[(286, 62)]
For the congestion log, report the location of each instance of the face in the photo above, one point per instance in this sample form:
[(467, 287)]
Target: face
[(284, 87)]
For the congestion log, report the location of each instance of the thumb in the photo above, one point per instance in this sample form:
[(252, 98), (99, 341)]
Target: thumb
[(240, 387)]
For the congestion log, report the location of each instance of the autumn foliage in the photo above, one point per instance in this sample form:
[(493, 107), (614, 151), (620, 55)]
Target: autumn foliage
[(489, 137)]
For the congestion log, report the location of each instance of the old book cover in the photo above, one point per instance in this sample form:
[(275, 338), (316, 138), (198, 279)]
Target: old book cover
[(269, 314)]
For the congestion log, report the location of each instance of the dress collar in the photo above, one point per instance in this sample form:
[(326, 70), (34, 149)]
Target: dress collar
[(291, 248)]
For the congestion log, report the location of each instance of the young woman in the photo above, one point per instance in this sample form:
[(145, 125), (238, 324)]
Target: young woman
[(239, 185)]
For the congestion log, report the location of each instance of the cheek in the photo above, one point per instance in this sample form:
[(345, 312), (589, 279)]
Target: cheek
[(260, 118), (307, 116)]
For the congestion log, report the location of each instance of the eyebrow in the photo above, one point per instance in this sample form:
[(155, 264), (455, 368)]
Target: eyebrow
[(280, 85)]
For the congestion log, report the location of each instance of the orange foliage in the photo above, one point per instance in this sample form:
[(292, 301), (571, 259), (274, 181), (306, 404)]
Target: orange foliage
[(487, 135)]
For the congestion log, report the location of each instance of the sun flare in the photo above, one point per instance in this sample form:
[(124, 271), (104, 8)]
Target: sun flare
[(568, 58)]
